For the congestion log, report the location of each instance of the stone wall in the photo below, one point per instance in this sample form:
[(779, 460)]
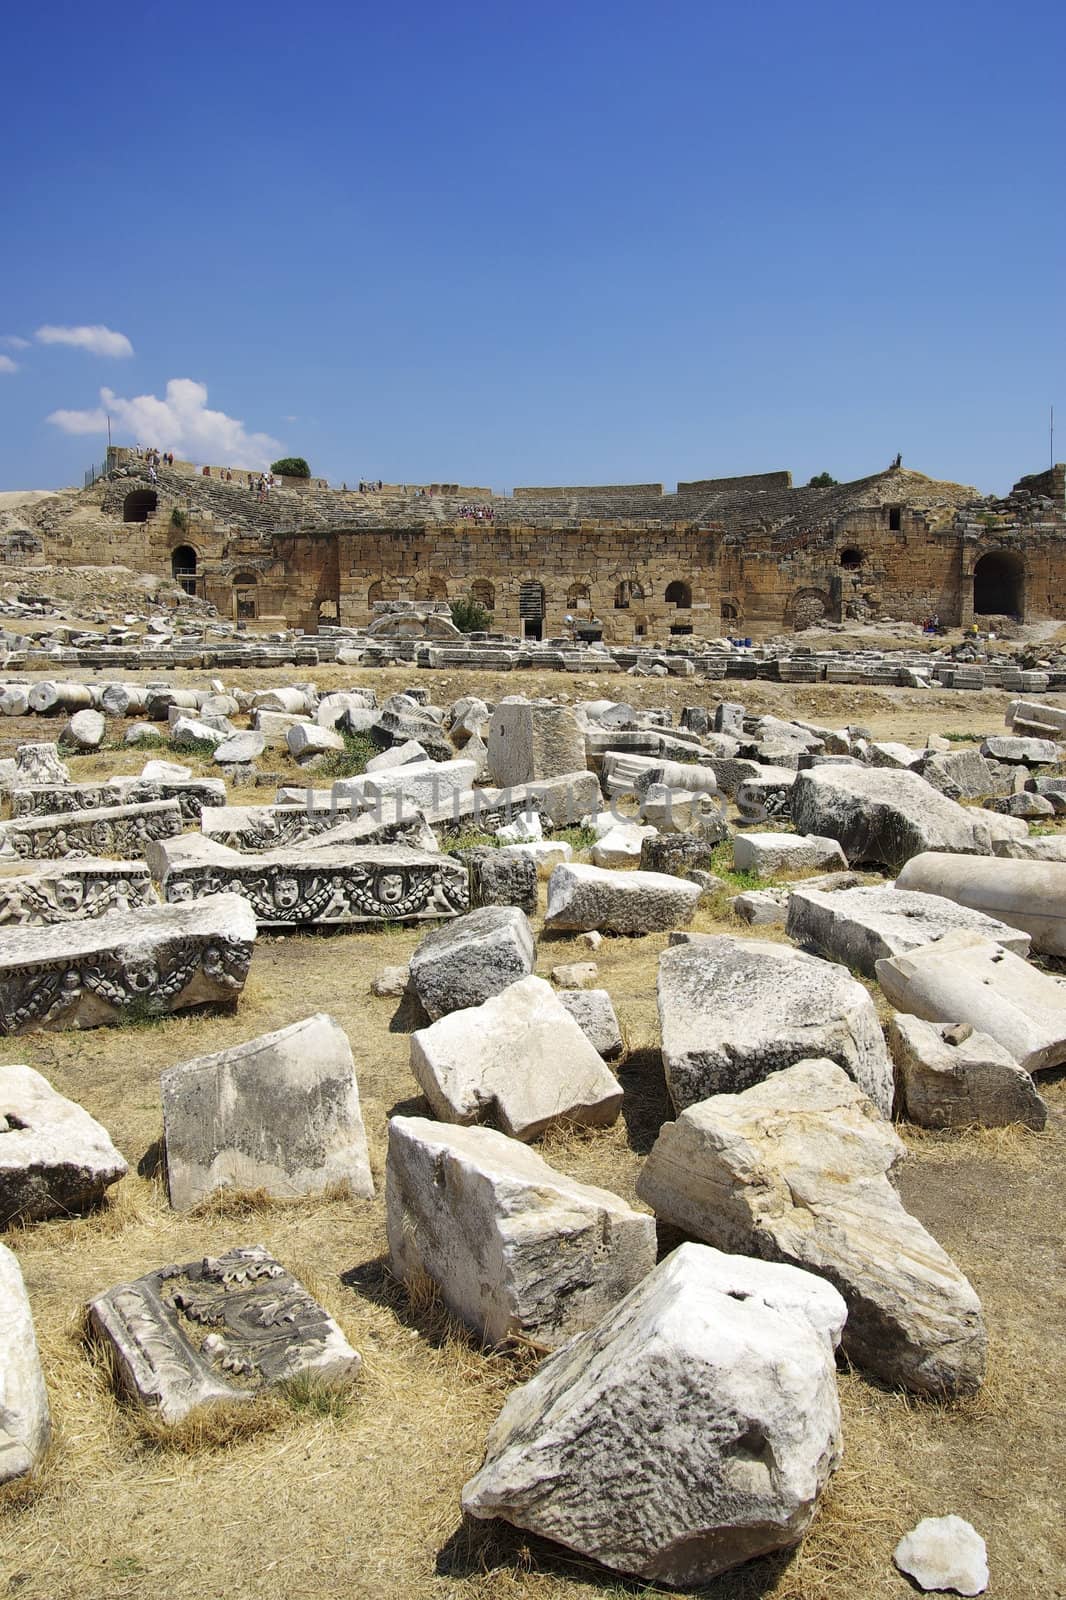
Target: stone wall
[(755, 482)]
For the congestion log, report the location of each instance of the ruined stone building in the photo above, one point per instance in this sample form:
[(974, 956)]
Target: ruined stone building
[(720, 555)]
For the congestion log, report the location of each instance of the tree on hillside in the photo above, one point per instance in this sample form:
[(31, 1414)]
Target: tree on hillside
[(824, 480), (291, 467)]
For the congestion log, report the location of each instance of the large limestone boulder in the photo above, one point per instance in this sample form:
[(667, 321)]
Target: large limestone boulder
[(964, 978), (25, 1426), (469, 960), (280, 1113), (516, 1249), (883, 817), (795, 1169), (581, 898), (694, 1429), (55, 1159), (766, 854), (858, 927), (1030, 895), (519, 1062), (733, 1011), (951, 1076)]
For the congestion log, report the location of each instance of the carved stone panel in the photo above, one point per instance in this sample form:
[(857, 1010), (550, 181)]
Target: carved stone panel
[(74, 890), (192, 795), (219, 1329), (155, 960), (108, 830), (343, 887)]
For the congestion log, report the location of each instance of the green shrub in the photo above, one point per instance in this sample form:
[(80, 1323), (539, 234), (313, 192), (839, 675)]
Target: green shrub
[(179, 519), (352, 760), (470, 616), (291, 467), (824, 480)]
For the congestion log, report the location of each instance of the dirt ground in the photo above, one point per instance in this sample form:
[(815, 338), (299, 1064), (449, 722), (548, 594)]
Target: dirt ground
[(360, 1498)]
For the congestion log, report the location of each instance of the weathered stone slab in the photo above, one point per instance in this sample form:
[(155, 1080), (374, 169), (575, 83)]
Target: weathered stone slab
[(882, 818), (74, 890), (733, 1011), (1029, 895), (530, 739), (693, 1430), (594, 1014), (25, 1426), (581, 897), (255, 828), (506, 877), (517, 1249), (768, 853), (964, 978), (1027, 752), (280, 1113), (519, 1062), (221, 1328), (951, 1076), (348, 886), (421, 786), (154, 960), (108, 830), (40, 763), (192, 795), (469, 960), (859, 927), (55, 1159), (795, 1169)]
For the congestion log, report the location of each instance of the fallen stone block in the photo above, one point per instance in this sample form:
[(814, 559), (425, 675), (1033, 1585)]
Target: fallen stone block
[(55, 1159), (307, 739), (519, 1062), (575, 974), (85, 730), (1028, 895), (531, 739), (676, 854), (767, 854), (108, 830), (192, 794), (257, 828), (343, 886), (40, 763), (694, 1429), (733, 1011), (74, 890), (502, 878), (964, 978), (391, 983), (860, 927), (951, 1076), (1027, 752), (545, 855), (594, 1014), (220, 1328), (471, 959), (517, 1249), (25, 1425), (280, 1113), (422, 786), (151, 961), (583, 897), (795, 1169), (882, 818)]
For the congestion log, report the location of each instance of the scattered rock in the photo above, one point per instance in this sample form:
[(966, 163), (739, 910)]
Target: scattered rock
[(950, 1076), (55, 1159), (581, 897), (944, 1553), (594, 1014), (25, 1426), (467, 961), (575, 974)]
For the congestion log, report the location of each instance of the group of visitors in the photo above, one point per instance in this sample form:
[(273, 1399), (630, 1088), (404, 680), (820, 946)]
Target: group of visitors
[(370, 488), (931, 623), (472, 513)]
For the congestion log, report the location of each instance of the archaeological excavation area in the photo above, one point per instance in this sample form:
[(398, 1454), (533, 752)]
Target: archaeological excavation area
[(531, 1118)]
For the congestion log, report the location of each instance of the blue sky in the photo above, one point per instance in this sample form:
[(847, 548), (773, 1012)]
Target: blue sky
[(510, 244)]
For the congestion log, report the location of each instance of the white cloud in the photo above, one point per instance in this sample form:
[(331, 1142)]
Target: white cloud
[(7, 365), (180, 422), (97, 339), (12, 342)]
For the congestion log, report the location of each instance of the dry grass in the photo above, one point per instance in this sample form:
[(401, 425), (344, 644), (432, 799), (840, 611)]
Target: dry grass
[(307, 1496)]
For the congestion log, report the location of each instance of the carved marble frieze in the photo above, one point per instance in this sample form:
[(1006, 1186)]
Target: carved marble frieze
[(343, 887), (192, 795), (105, 831), (75, 891), (221, 1328), (145, 962)]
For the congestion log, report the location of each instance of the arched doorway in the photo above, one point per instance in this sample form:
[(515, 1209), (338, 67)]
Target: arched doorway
[(999, 585), (483, 593), (183, 567), (138, 503), (531, 609), (678, 594)]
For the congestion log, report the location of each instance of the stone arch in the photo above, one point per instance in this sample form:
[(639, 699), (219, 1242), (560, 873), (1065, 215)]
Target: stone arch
[(183, 560), (382, 589), (999, 584), (807, 607), (851, 558), (245, 596), (628, 590), (730, 609), (138, 504), (679, 594), (483, 593), (579, 597)]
